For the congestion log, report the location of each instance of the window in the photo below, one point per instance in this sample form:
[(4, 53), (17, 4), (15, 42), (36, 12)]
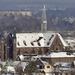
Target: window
[(56, 48), (18, 43), (40, 51), (33, 51), (48, 66), (41, 66)]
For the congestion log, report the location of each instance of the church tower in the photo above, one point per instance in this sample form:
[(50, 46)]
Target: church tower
[(44, 21)]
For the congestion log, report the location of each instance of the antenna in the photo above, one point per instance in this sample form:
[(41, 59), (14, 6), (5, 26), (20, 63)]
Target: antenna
[(44, 21)]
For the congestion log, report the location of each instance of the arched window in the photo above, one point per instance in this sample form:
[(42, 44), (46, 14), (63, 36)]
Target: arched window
[(48, 66), (40, 51), (56, 48), (18, 52), (33, 51)]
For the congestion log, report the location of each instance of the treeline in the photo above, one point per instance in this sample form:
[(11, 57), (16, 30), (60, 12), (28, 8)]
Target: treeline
[(32, 23), (53, 13)]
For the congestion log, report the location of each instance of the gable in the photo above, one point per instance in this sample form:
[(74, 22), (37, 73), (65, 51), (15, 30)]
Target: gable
[(62, 40), (58, 43)]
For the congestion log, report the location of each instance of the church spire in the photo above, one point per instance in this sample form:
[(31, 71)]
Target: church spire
[(44, 21)]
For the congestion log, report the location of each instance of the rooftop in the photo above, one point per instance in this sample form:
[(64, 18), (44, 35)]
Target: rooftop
[(36, 39)]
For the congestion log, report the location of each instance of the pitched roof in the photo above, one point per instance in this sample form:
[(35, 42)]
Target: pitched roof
[(36, 39), (57, 55), (44, 62), (62, 40), (64, 64)]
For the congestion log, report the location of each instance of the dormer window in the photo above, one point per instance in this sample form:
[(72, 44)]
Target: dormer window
[(18, 43), (24, 42), (39, 44), (32, 44), (48, 43)]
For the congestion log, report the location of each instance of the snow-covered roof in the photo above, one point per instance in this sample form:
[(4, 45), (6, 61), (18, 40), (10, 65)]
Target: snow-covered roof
[(16, 63), (21, 57), (62, 40), (71, 43), (36, 39), (64, 64), (22, 64), (3, 63), (10, 69), (57, 55), (44, 62)]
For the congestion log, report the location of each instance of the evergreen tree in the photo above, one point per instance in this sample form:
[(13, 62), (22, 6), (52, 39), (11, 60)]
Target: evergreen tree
[(30, 68)]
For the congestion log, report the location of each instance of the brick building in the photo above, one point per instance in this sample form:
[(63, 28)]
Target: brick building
[(31, 43)]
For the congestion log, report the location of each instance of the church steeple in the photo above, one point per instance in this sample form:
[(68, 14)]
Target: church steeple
[(44, 21)]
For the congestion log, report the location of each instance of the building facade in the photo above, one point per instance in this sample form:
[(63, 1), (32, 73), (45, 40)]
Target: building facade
[(31, 43), (55, 57)]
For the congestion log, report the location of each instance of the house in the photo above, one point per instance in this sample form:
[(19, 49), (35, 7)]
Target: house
[(8, 67), (70, 42), (44, 67), (12, 66), (54, 57)]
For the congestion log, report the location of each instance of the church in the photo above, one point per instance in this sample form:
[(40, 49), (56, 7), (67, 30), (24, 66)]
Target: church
[(32, 43)]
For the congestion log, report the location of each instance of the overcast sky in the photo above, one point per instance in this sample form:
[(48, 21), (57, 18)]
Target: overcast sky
[(31, 4)]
